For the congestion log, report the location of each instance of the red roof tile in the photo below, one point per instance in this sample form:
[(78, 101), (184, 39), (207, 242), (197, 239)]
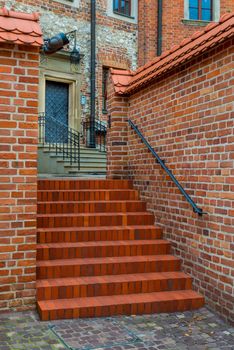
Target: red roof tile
[(121, 79), (200, 42), (20, 28)]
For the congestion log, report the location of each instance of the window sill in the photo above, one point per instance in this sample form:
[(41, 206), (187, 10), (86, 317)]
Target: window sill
[(71, 3), (122, 15), (195, 22)]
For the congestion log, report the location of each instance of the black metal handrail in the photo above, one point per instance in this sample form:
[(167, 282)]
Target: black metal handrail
[(100, 134), (60, 138), (197, 210)]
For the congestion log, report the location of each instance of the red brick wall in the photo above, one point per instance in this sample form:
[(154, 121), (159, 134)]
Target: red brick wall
[(187, 117), (173, 31), (147, 30), (18, 175), (117, 136)]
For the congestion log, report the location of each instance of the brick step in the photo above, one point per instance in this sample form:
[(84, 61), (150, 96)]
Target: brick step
[(100, 219), (106, 266), (101, 233), (68, 184), (52, 251), (90, 207), (131, 304), (78, 287), (86, 195)]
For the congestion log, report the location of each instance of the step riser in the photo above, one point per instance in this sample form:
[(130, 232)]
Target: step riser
[(84, 184), (91, 168), (105, 235), (116, 288), (106, 269), (95, 220), (99, 252), (86, 172), (83, 154), (98, 207), (87, 196), (84, 158), (89, 161), (124, 309)]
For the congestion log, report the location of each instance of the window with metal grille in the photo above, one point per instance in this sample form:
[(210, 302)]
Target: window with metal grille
[(122, 7), (201, 10)]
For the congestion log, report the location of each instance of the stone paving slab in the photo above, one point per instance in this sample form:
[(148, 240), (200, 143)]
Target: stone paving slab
[(196, 330)]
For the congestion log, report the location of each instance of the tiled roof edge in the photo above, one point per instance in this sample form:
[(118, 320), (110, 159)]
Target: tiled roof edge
[(19, 15), (213, 33), (20, 28), (120, 79), (186, 41)]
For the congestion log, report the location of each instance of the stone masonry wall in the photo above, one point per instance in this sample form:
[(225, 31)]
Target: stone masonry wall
[(174, 30), (116, 38), (187, 116), (18, 175)]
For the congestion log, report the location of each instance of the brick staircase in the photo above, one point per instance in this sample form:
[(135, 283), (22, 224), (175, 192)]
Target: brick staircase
[(99, 254)]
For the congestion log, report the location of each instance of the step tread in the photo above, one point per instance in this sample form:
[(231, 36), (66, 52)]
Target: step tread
[(86, 172), (87, 190), (85, 166), (102, 243), (106, 260), (92, 201), (98, 229), (137, 213), (71, 281), (57, 304), (86, 156), (87, 181)]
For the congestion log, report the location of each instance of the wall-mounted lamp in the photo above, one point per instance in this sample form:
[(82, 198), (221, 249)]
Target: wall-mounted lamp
[(55, 44), (58, 42), (74, 53)]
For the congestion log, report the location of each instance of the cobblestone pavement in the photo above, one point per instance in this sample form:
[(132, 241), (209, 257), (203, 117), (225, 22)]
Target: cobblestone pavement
[(197, 330), (23, 331)]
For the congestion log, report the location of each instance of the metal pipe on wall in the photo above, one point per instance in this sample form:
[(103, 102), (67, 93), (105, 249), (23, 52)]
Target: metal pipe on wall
[(92, 140), (159, 28)]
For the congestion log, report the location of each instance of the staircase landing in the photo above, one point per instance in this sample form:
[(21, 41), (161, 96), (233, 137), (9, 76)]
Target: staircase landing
[(100, 254), (52, 164)]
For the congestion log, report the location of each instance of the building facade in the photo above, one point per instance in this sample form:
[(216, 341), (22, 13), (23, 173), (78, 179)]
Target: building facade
[(179, 20), (63, 86)]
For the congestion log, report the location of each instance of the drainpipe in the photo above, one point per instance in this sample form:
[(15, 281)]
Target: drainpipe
[(92, 141), (159, 29)]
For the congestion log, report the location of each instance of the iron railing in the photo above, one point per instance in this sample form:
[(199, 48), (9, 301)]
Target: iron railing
[(197, 210), (59, 138), (100, 134)]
